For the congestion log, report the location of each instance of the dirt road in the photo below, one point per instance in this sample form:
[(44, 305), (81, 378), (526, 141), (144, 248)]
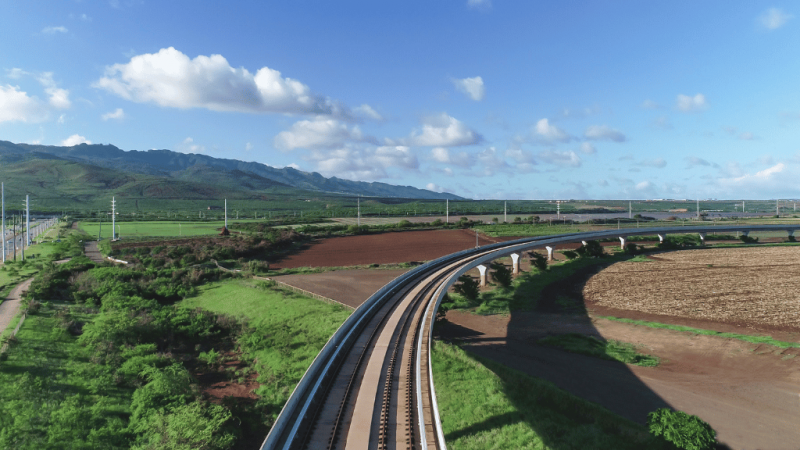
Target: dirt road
[(10, 306)]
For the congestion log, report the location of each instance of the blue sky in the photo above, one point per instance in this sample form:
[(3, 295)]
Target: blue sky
[(481, 98)]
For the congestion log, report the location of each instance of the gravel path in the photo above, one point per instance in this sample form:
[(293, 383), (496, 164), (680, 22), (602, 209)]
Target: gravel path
[(9, 307)]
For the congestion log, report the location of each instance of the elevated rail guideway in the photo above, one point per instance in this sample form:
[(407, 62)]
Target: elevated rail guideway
[(371, 386)]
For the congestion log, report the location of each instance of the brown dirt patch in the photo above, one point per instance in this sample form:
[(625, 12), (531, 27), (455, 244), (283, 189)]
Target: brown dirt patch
[(351, 287), (384, 248)]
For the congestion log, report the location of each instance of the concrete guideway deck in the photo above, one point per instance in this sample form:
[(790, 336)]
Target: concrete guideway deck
[(431, 282)]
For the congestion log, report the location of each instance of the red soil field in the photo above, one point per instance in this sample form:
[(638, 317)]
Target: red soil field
[(384, 248)]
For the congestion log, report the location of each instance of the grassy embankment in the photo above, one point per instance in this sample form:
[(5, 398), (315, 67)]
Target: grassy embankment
[(287, 331), (486, 405)]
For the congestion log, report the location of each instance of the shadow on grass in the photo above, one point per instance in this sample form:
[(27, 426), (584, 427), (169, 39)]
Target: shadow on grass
[(545, 304)]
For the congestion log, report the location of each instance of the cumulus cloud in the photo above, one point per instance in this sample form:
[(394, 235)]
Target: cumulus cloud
[(773, 181), (75, 139), (59, 98), (54, 30), (649, 104), (17, 106), (319, 133), (117, 114), (366, 111), (658, 163), (443, 131), (603, 133), (491, 162), (471, 87), (364, 163), (520, 156), (579, 113), (773, 18), (169, 78), (188, 146), (560, 158), (436, 188), (588, 148), (446, 156), (483, 5), (693, 161), (688, 103), (547, 133)]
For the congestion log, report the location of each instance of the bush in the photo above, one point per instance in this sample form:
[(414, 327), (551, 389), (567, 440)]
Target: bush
[(570, 254), (404, 224), (539, 261), (685, 431), (631, 248), (501, 274), (592, 249), (467, 287), (747, 239)]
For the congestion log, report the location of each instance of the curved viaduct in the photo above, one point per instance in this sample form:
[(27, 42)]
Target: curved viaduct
[(371, 386)]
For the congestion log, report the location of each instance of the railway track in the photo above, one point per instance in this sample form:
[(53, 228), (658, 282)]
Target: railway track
[(371, 387)]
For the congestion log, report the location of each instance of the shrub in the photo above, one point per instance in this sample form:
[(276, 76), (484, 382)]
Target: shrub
[(539, 261), (685, 431), (747, 239), (592, 249), (467, 287), (404, 224), (210, 357), (437, 223), (631, 248), (501, 274), (570, 254)]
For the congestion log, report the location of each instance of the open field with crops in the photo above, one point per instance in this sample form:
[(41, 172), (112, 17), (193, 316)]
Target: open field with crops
[(155, 228), (747, 286)]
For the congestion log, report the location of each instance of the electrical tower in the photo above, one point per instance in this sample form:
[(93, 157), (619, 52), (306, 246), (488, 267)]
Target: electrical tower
[(113, 218)]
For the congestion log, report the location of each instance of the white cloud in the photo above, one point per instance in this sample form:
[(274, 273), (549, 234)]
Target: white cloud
[(603, 133), (658, 163), (61, 118), (588, 148), (693, 161), (188, 146), (773, 181), (471, 87), (367, 111), (54, 30), (649, 104), (364, 163), (293, 166), (169, 78), (17, 106), (59, 98), (443, 131), (644, 185), (490, 162), (433, 187), (446, 156), (75, 139), (520, 156), (773, 18), (687, 103), (479, 4), (248, 146), (117, 114), (319, 133), (662, 122), (545, 132), (15, 73), (560, 158)]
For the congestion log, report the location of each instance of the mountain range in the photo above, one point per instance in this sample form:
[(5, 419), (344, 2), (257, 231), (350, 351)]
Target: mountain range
[(52, 171)]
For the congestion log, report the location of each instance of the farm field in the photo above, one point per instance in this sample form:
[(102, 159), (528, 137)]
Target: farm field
[(156, 228), (752, 287)]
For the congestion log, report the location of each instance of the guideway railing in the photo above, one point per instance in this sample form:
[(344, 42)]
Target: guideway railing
[(306, 394)]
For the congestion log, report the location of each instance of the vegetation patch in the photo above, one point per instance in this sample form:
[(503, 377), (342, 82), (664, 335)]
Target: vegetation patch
[(591, 346), (768, 340), (486, 405)]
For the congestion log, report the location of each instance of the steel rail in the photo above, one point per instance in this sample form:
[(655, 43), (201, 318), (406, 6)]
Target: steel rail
[(307, 394)]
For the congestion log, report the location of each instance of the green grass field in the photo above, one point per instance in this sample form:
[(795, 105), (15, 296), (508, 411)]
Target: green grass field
[(486, 405), (287, 331), (155, 228), (608, 350)]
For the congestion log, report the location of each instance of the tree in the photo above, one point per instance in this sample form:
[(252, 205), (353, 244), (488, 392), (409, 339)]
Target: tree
[(467, 287), (539, 261), (501, 274), (592, 249)]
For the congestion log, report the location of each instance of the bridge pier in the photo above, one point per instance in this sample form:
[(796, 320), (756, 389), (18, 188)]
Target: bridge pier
[(746, 233), (790, 233), (482, 270), (702, 238), (584, 243), (661, 237), (515, 263), (550, 252), (622, 240)]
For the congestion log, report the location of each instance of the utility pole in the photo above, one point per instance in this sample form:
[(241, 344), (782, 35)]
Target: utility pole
[(359, 210), (113, 217), (698, 209), (777, 208), (630, 210), (447, 209), (558, 209), (476, 238), (226, 213), (3, 200), (505, 211), (27, 221)]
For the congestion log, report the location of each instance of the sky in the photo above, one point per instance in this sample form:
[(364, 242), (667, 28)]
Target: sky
[(486, 99)]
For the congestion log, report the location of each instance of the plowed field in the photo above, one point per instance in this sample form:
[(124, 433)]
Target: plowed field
[(753, 286)]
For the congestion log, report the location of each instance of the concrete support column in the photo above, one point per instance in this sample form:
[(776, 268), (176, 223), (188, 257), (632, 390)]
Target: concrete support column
[(661, 237), (550, 252), (790, 232), (702, 238), (482, 270), (622, 240), (745, 233), (515, 263), (584, 243)]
